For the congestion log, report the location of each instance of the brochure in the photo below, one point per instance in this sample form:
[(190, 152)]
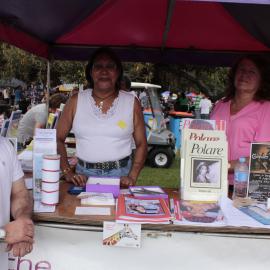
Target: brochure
[(145, 210), (121, 235)]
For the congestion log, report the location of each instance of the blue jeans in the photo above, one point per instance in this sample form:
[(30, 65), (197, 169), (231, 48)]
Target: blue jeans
[(124, 171)]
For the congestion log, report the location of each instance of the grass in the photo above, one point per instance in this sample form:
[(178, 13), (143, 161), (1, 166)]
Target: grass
[(167, 178)]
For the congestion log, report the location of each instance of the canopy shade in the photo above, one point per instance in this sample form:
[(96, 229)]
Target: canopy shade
[(169, 31)]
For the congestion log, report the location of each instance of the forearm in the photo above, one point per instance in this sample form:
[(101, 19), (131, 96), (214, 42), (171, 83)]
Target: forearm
[(21, 205), (61, 149), (138, 161)]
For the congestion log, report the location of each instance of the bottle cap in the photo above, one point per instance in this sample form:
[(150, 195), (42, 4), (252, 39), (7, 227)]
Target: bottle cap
[(242, 159)]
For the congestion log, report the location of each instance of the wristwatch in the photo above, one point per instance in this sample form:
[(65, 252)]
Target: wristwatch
[(2, 234)]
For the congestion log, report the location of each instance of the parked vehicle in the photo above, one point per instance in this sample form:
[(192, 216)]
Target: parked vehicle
[(161, 141)]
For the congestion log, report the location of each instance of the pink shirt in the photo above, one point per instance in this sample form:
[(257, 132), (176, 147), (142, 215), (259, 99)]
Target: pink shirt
[(251, 124)]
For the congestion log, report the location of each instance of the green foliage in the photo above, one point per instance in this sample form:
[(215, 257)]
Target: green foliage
[(31, 69)]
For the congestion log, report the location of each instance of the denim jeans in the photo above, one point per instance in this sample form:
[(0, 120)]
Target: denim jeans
[(104, 173)]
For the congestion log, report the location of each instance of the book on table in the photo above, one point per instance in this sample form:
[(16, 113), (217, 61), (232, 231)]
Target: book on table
[(197, 212), (148, 191), (257, 211), (142, 210), (204, 165), (259, 172)]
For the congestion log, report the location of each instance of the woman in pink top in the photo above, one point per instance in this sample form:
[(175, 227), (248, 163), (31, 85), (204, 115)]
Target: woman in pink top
[(246, 107)]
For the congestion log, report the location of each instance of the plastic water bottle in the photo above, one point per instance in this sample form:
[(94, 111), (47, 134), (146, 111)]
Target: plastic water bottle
[(240, 179)]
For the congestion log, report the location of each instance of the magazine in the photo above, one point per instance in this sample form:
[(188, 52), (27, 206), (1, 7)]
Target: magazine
[(146, 210), (197, 212), (204, 168), (202, 124), (259, 172), (258, 212), (148, 191)]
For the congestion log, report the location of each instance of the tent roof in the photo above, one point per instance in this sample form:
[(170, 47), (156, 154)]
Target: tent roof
[(170, 31)]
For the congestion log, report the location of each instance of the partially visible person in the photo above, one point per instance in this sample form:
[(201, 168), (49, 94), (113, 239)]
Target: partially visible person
[(197, 101), (24, 104), (104, 120), (18, 95), (246, 107), (36, 117), (17, 235), (182, 103), (6, 93), (144, 99), (205, 107)]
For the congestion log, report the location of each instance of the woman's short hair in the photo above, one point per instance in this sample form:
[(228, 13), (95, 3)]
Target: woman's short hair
[(113, 56), (263, 66), (56, 100)]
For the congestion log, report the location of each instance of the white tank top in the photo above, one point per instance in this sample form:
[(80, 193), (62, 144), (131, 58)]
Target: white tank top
[(103, 137)]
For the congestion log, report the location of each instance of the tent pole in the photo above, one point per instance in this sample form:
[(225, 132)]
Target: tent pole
[(170, 10), (48, 85)]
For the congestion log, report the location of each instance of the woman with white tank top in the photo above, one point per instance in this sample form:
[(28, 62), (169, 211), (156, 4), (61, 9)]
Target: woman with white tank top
[(104, 120)]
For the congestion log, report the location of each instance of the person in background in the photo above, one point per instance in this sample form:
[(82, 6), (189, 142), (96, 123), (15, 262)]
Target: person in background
[(197, 109), (205, 107), (182, 103), (36, 117), (104, 120), (18, 95), (17, 235), (6, 93), (246, 107)]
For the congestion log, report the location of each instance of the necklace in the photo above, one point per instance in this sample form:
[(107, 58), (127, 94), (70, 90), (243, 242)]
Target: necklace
[(101, 102)]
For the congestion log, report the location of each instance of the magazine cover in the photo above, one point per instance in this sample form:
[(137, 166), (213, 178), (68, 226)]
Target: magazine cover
[(198, 212), (203, 124), (205, 169), (148, 191), (259, 172), (258, 212), (146, 210), (121, 235)]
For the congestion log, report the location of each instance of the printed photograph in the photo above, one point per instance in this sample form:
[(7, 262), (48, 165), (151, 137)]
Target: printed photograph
[(260, 158), (206, 172), (143, 207)]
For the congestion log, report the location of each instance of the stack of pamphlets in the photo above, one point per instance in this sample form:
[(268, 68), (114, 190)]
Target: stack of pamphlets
[(204, 162), (192, 212), (148, 192), (96, 198), (142, 210)]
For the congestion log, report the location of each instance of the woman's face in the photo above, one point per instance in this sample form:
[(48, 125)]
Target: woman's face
[(203, 170), (247, 78), (104, 73)]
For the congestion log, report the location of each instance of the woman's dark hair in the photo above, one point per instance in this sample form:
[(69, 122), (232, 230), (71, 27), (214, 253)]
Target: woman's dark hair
[(112, 55), (263, 93)]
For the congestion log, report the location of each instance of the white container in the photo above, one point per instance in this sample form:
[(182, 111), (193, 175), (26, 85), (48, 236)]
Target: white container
[(49, 187), (51, 162), (49, 198), (50, 176)]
